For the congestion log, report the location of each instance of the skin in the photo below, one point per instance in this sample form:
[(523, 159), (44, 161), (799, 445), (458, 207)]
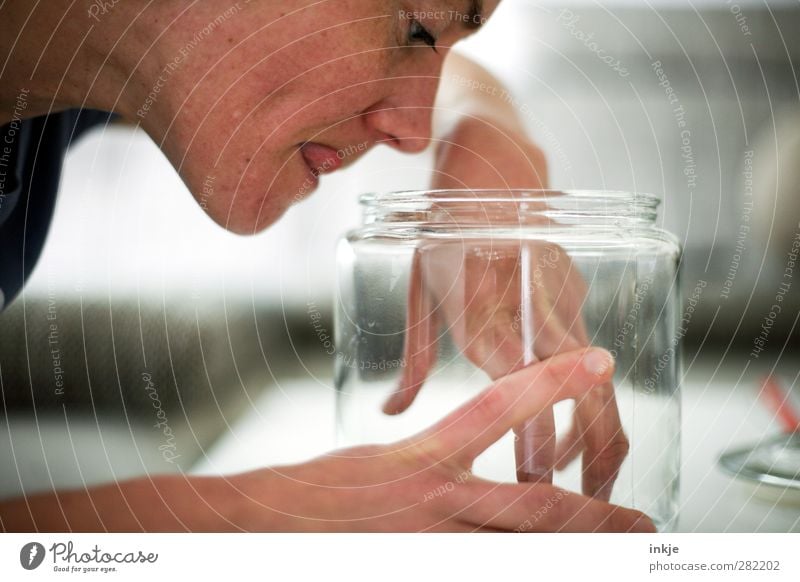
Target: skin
[(450, 282), (473, 288), (239, 106), (377, 488)]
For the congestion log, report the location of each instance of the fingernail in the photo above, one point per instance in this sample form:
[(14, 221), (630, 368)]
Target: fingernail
[(393, 406), (598, 362)]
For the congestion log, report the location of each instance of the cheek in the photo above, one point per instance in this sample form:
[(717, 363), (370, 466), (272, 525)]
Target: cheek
[(322, 99), (246, 144), (243, 167), (264, 173), (328, 76)]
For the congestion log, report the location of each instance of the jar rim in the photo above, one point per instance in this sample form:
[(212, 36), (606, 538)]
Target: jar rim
[(510, 195), (494, 208)]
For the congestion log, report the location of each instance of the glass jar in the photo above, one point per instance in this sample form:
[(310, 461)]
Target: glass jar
[(441, 292)]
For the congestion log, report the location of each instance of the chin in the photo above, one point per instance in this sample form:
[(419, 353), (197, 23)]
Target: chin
[(253, 209), (250, 224), (254, 217)]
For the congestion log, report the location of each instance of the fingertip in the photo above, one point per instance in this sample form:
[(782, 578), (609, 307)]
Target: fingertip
[(561, 464), (394, 405), (599, 363), (402, 398)]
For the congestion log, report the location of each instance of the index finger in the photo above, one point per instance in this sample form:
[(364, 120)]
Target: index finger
[(466, 432), (420, 343), (604, 439)]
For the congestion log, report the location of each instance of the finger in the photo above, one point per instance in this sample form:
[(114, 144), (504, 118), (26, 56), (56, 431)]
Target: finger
[(466, 432), (573, 300), (488, 329), (544, 508), (534, 448), (555, 331), (559, 293), (545, 332), (606, 445), (419, 351), (570, 446)]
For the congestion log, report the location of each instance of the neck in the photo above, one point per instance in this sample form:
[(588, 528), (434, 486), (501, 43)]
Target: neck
[(64, 54)]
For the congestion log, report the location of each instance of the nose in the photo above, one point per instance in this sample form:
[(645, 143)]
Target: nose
[(403, 118)]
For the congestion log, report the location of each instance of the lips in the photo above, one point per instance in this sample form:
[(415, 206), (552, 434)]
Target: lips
[(319, 158)]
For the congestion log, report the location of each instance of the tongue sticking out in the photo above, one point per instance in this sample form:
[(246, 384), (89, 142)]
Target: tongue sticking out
[(321, 159)]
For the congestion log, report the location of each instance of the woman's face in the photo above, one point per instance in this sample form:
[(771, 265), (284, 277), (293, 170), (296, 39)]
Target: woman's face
[(259, 97)]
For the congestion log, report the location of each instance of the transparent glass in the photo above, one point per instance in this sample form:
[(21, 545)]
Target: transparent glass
[(440, 292)]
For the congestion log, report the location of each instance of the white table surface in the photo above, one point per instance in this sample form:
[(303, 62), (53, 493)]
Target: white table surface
[(296, 422)]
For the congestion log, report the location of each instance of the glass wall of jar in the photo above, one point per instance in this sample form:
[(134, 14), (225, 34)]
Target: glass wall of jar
[(441, 292)]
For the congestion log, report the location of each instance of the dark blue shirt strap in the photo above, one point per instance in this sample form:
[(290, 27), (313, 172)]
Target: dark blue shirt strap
[(31, 155)]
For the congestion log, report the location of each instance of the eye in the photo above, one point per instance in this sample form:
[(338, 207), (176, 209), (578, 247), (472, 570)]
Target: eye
[(418, 33)]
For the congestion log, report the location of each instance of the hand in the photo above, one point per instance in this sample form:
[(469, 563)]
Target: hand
[(476, 287), (424, 483)]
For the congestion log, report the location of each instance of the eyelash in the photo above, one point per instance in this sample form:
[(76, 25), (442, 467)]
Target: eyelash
[(418, 33)]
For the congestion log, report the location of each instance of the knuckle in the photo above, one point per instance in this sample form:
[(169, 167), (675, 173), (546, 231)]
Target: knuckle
[(618, 449), (538, 160), (468, 128), (607, 460), (492, 404), (420, 453), (552, 375), (537, 156)]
